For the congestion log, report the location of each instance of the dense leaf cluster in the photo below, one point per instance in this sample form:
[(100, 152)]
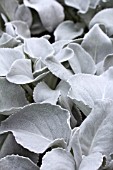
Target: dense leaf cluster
[(56, 84)]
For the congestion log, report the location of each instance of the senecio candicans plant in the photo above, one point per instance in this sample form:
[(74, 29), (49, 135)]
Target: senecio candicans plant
[(56, 84)]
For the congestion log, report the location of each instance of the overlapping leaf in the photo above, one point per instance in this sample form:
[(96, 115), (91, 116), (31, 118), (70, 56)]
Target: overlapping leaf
[(58, 159), (100, 44), (86, 89), (39, 126), (67, 30), (96, 131), (12, 97), (16, 162), (102, 18), (43, 94), (38, 48), (46, 9), (81, 62), (7, 57)]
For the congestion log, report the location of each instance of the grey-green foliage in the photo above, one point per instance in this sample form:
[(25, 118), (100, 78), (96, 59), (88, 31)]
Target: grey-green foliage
[(56, 84)]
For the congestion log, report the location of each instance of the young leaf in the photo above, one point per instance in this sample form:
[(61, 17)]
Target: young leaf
[(58, 159), (67, 30), (16, 162), (39, 126)]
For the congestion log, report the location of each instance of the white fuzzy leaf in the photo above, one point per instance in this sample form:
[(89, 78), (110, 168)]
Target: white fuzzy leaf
[(102, 18), (57, 68), (9, 8), (108, 62), (58, 159), (100, 44), (7, 41), (58, 45), (46, 9), (24, 14), (7, 57), (86, 89), (67, 30), (38, 48), (81, 62), (76, 148), (64, 54), (20, 72), (8, 146), (44, 94), (96, 130), (39, 126), (16, 162), (93, 161), (12, 97), (18, 28)]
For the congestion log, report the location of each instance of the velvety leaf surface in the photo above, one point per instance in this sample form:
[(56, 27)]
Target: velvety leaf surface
[(57, 68), (43, 94), (20, 72), (102, 18), (64, 54), (93, 161), (58, 159), (7, 57), (9, 8), (96, 130), (8, 146), (38, 47), (46, 9), (100, 44), (12, 97), (7, 41), (86, 89), (58, 45), (67, 30), (23, 13), (39, 126), (76, 148), (108, 62), (81, 62), (18, 28), (16, 162)]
